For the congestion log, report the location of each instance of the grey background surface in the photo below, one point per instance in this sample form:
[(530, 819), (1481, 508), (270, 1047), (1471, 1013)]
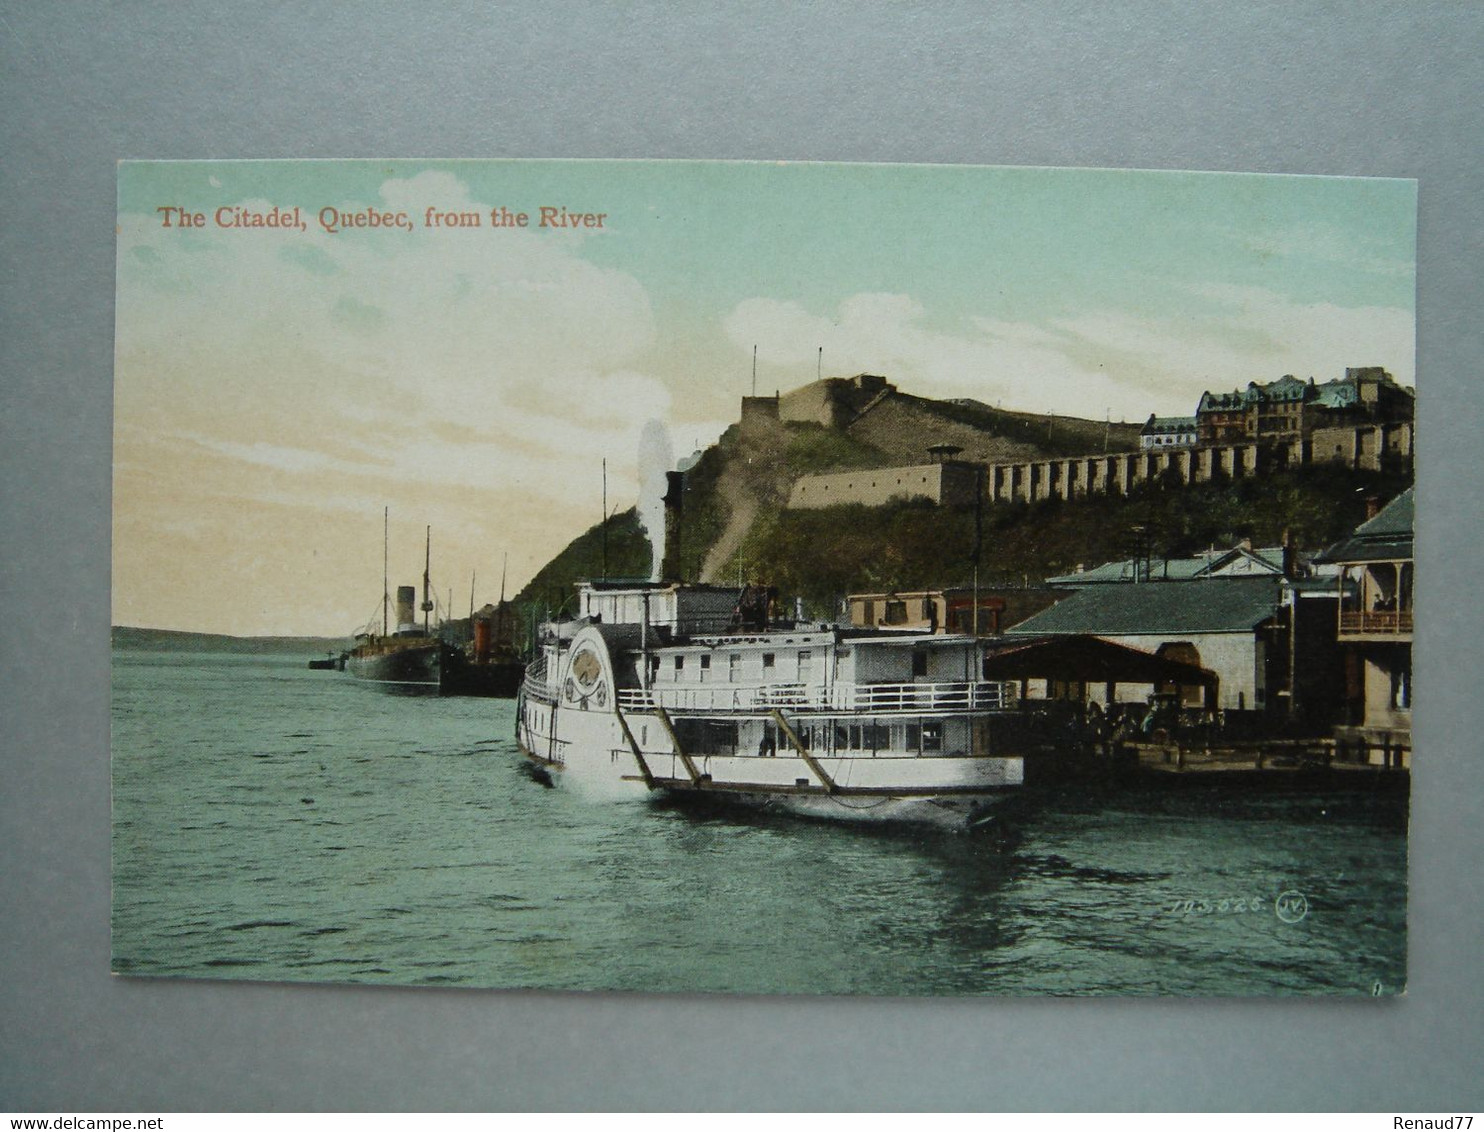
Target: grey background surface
[(1367, 88)]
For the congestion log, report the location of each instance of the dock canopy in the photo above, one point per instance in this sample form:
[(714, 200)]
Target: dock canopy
[(1081, 659)]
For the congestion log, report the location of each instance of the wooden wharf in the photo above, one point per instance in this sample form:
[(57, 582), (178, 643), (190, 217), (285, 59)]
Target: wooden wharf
[(1276, 756)]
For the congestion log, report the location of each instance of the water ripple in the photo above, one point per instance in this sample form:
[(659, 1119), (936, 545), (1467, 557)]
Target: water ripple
[(450, 864)]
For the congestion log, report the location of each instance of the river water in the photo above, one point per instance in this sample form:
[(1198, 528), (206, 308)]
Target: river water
[(272, 822)]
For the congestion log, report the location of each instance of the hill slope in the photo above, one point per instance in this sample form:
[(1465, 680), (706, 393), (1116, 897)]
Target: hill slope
[(628, 556), (823, 554), (903, 426), (176, 640), (736, 526)]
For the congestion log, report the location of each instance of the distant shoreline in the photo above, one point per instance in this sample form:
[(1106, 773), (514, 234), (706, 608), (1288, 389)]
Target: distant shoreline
[(178, 640)]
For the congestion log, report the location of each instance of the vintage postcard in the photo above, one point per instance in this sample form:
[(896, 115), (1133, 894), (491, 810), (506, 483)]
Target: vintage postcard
[(763, 578)]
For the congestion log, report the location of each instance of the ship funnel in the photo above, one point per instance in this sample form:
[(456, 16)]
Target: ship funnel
[(674, 490), (406, 598)]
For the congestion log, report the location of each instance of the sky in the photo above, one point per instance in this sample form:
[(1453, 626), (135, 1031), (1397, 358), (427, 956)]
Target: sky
[(278, 387)]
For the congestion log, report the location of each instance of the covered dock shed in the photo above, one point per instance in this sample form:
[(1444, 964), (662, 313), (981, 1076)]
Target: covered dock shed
[(1070, 664)]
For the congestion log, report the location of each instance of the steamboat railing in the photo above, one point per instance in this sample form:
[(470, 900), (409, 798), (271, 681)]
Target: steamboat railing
[(866, 699), (533, 685)]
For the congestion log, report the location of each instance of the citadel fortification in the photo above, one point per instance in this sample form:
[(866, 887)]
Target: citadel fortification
[(1363, 421)]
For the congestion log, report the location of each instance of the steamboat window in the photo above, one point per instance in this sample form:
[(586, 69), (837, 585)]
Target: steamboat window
[(806, 666), (932, 735), (720, 738), (919, 662), (679, 665), (705, 666), (914, 737), (734, 667), (896, 612)]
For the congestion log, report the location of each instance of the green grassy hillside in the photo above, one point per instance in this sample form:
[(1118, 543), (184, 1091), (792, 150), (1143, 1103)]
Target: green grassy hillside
[(736, 526), (822, 554), (628, 557), (1050, 435)]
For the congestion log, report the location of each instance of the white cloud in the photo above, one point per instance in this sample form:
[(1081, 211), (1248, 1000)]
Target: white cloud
[(276, 388), (512, 333), (1309, 339), (1023, 365), (1108, 359)]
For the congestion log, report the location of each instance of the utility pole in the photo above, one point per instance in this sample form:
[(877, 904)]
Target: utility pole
[(1141, 545), (978, 540)]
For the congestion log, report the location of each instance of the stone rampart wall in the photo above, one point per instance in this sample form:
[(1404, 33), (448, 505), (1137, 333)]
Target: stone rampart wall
[(1367, 447)]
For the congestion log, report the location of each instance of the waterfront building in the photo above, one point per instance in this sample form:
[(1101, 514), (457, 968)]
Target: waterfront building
[(949, 610), (1240, 561), (1268, 640), (1168, 432), (1226, 627), (1375, 587), (1290, 409)]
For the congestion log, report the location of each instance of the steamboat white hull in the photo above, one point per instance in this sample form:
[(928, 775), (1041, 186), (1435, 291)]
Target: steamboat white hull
[(591, 754), (866, 727)]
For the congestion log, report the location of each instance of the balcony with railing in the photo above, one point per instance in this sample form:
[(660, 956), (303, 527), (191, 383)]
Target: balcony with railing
[(1376, 623), (853, 699), (1376, 601)]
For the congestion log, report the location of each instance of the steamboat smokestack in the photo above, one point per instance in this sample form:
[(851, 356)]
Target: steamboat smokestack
[(674, 490), (406, 598)]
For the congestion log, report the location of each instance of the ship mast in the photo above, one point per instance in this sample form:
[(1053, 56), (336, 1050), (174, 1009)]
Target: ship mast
[(386, 515), (427, 581)]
